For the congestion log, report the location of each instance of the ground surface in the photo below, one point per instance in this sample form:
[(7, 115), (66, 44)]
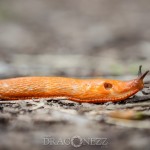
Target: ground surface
[(80, 38), (26, 124)]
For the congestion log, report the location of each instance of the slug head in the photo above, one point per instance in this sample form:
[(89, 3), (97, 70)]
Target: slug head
[(138, 84), (126, 88)]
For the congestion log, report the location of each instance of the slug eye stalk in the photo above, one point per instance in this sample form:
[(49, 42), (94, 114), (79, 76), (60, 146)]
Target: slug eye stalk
[(140, 70), (141, 77)]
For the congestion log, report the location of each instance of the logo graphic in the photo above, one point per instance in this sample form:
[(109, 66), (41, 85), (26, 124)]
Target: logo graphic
[(76, 141)]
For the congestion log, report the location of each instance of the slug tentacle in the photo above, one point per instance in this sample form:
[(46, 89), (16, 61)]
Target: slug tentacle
[(141, 77), (140, 70)]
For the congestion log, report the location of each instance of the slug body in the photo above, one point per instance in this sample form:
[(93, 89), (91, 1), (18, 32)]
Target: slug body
[(79, 90)]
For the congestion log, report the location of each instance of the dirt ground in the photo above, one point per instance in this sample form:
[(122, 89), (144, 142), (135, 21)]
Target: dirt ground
[(81, 38)]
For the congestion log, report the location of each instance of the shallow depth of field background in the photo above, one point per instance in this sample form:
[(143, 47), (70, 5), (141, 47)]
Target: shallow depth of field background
[(72, 38), (78, 38)]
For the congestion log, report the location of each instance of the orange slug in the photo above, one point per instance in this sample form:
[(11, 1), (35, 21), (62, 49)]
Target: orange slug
[(80, 90)]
